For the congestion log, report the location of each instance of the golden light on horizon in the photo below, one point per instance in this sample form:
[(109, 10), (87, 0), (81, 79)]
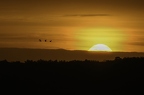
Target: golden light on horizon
[(111, 37), (100, 47)]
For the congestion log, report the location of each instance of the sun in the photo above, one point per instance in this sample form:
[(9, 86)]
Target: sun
[(100, 47)]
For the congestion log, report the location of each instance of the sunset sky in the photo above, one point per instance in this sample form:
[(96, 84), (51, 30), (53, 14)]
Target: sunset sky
[(72, 24)]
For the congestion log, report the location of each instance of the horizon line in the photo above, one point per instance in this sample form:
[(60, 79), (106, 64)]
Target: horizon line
[(73, 50)]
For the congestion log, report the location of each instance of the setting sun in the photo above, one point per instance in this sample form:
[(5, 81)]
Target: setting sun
[(111, 37), (100, 47)]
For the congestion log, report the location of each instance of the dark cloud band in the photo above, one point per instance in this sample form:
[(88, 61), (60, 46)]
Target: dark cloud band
[(86, 15)]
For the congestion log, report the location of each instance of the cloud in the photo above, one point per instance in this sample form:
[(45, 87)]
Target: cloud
[(86, 15), (137, 43)]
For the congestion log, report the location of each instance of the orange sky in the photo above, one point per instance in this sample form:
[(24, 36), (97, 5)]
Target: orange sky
[(72, 24)]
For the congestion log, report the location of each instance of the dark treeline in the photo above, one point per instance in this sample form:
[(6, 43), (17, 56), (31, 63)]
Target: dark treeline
[(75, 77)]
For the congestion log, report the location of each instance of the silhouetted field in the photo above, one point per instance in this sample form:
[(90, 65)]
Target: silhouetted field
[(119, 76)]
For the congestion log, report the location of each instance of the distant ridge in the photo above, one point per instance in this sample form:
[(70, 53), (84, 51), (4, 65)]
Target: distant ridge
[(71, 50), (23, 54)]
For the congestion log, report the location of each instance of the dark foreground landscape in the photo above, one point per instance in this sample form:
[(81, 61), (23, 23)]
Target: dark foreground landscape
[(117, 77)]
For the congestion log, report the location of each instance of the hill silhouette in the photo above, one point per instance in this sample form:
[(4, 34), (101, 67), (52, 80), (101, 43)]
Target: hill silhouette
[(17, 54)]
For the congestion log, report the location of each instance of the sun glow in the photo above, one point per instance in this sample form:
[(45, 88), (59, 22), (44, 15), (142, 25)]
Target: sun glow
[(100, 47), (112, 37)]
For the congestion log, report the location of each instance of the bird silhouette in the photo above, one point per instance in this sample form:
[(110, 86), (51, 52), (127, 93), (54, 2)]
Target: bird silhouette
[(50, 40), (40, 40), (45, 40)]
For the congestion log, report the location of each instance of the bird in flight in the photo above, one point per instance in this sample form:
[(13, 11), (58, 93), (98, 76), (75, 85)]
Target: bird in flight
[(44, 40), (40, 40)]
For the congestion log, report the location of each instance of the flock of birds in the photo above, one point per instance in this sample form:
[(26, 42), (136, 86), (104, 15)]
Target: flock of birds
[(44, 40)]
